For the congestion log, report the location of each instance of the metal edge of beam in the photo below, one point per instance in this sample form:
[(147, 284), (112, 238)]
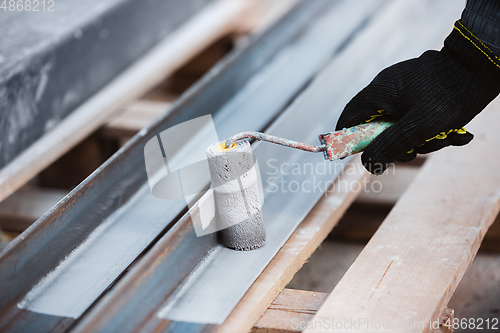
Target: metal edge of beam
[(31, 256)]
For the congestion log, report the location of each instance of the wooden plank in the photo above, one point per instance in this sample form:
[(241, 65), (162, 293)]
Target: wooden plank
[(162, 60), (25, 206), (303, 242), (293, 310), (289, 310), (410, 268), (136, 116), (266, 13), (369, 210)]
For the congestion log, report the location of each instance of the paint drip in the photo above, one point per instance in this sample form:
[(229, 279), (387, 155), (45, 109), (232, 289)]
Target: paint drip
[(236, 195)]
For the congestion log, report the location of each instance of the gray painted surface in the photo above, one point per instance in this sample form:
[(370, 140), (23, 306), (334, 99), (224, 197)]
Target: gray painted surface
[(30, 257), (91, 268)]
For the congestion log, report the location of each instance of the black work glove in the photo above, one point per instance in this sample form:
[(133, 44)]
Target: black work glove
[(431, 98)]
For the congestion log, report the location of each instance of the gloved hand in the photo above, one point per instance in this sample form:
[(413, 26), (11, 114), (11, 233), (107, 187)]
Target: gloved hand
[(431, 97)]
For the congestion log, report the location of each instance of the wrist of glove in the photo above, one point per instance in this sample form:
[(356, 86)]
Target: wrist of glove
[(431, 98)]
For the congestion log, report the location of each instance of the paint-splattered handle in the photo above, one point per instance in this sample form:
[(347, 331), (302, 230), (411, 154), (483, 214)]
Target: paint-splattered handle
[(351, 140)]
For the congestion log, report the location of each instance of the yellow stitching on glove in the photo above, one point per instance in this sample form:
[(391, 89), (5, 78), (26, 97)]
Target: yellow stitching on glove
[(486, 47), (444, 135), (380, 114), (470, 40)]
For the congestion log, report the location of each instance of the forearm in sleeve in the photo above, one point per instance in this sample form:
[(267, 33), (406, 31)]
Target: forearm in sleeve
[(482, 18)]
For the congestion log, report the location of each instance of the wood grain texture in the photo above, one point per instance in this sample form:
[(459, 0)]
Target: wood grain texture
[(414, 262), (290, 309), (299, 247), (207, 26), (293, 310), (135, 117)]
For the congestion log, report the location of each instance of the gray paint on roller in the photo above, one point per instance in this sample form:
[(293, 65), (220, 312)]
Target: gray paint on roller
[(236, 196), (247, 235)]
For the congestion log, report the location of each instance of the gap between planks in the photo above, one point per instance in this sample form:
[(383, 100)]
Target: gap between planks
[(369, 210)]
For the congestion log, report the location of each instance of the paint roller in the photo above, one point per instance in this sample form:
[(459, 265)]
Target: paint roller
[(236, 195), (235, 180)]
